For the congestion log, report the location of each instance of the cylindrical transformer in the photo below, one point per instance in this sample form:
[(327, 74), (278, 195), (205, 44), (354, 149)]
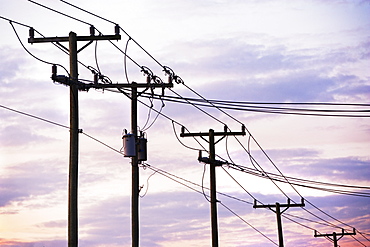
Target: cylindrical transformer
[(142, 153), (129, 145)]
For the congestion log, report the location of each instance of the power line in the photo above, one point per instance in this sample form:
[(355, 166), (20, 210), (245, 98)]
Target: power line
[(159, 171), (304, 182), (61, 13), (88, 12), (34, 116), (289, 183), (254, 107), (234, 119), (37, 58), (156, 169)]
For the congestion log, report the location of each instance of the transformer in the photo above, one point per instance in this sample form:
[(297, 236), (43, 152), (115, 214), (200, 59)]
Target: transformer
[(129, 145), (141, 153)]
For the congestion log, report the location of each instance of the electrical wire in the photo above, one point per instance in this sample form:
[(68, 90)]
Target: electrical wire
[(240, 185), (37, 58), (163, 174), (156, 169), (88, 12), (178, 139), (56, 44), (231, 117), (231, 211), (204, 172), (145, 128), (34, 116), (147, 184), (125, 60), (288, 182), (303, 182), (254, 107), (61, 13), (79, 20)]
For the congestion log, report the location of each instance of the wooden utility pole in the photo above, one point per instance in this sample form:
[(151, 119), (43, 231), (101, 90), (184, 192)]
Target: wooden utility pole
[(75, 86), (213, 163), (336, 236), (74, 128), (135, 172), (278, 212), (134, 159), (73, 144)]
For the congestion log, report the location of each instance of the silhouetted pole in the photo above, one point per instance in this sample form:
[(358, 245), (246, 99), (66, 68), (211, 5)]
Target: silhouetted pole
[(278, 213), (75, 86), (73, 150), (335, 236), (135, 172), (135, 159), (213, 163), (212, 157), (279, 224)]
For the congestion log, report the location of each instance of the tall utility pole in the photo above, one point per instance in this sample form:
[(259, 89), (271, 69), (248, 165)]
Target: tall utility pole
[(74, 130), (73, 144), (134, 172), (213, 163), (335, 235), (135, 158), (278, 212)]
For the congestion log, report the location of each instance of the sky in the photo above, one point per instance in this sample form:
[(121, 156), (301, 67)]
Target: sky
[(303, 51)]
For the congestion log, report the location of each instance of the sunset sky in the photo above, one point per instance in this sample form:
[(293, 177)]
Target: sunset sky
[(265, 51)]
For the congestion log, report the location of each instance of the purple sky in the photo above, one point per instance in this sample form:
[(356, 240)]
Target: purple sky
[(254, 51)]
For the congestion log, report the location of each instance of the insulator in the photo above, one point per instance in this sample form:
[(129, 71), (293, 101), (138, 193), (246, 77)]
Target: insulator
[(54, 69), (32, 32), (54, 72), (92, 30), (129, 145), (96, 78), (116, 29)]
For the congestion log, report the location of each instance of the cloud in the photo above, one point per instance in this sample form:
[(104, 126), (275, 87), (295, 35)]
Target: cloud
[(10, 64), (20, 136), (19, 184)]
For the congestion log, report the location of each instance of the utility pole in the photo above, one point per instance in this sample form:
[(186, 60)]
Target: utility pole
[(135, 160), (135, 157), (73, 144), (74, 128), (213, 163), (279, 212), (335, 235), (134, 172)]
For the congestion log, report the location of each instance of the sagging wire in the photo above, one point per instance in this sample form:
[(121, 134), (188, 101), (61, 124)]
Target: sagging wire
[(264, 235), (144, 165), (168, 175), (241, 185), (96, 56), (157, 80), (178, 139), (155, 119), (125, 60), (37, 58), (160, 64), (204, 194)]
